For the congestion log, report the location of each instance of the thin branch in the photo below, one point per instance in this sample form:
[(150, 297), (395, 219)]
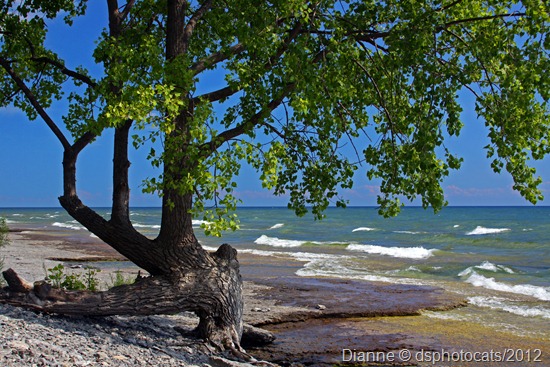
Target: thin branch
[(217, 57), (476, 19), (229, 91), (243, 127), (190, 27), (70, 73), (34, 102), (448, 6), (129, 5)]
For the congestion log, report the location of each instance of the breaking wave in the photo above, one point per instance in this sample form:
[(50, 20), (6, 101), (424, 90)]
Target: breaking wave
[(479, 230), (401, 252)]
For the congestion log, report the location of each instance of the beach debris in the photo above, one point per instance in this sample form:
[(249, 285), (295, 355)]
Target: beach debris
[(321, 307), (259, 309)]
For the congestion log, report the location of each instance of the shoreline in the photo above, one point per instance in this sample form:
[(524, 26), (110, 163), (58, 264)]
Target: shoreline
[(357, 315)]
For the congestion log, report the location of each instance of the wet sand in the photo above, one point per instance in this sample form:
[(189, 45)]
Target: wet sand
[(324, 321)]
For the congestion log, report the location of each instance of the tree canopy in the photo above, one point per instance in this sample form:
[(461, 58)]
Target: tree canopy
[(312, 92)]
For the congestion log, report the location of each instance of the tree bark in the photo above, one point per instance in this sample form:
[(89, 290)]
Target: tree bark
[(214, 294), (183, 276), (120, 212)]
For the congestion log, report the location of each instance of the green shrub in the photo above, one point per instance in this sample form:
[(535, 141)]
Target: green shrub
[(120, 279), (3, 242), (3, 232), (90, 279), (58, 278)]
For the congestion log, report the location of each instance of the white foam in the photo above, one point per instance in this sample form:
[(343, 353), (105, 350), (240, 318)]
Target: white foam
[(456, 226), (8, 221), (479, 230), (276, 242), (152, 226), (259, 252), (209, 248), (197, 222), (308, 256), (502, 304), (486, 265), (478, 280), (367, 229), (278, 225), (320, 268), (67, 225), (401, 252), (326, 265), (407, 232)]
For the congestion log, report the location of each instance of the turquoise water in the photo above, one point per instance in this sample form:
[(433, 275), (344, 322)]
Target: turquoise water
[(498, 257)]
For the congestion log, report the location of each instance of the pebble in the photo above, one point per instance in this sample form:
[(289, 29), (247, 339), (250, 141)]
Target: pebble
[(30, 339)]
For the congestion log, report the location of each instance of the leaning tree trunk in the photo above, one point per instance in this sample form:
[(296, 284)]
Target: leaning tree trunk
[(213, 291), (183, 276)]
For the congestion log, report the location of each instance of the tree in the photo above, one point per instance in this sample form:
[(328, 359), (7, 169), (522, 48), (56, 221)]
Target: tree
[(305, 82)]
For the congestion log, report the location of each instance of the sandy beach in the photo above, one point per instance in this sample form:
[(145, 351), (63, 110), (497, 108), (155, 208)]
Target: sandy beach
[(322, 321)]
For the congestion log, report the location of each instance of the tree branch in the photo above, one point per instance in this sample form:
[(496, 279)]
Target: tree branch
[(476, 19), (229, 91), (240, 129), (217, 57), (129, 5), (191, 25), (34, 102), (71, 73), (217, 95)]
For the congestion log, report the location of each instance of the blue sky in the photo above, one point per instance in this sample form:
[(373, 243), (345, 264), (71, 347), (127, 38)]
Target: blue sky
[(30, 156)]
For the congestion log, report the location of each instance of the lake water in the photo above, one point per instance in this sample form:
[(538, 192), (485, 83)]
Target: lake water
[(497, 257)]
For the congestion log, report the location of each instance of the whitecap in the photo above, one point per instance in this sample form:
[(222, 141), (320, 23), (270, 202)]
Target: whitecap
[(8, 221), (467, 271), (67, 225), (209, 248), (367, 229), (276, 242), (488, 266), (407, 232), (259, 252), (456, 226), (503, 304), (478, 280), (479, 230), (401, 252), (152, 226), (278, 225), (197, 222)]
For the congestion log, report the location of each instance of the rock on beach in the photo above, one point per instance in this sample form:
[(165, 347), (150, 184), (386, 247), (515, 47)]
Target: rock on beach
[(31, 339)]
